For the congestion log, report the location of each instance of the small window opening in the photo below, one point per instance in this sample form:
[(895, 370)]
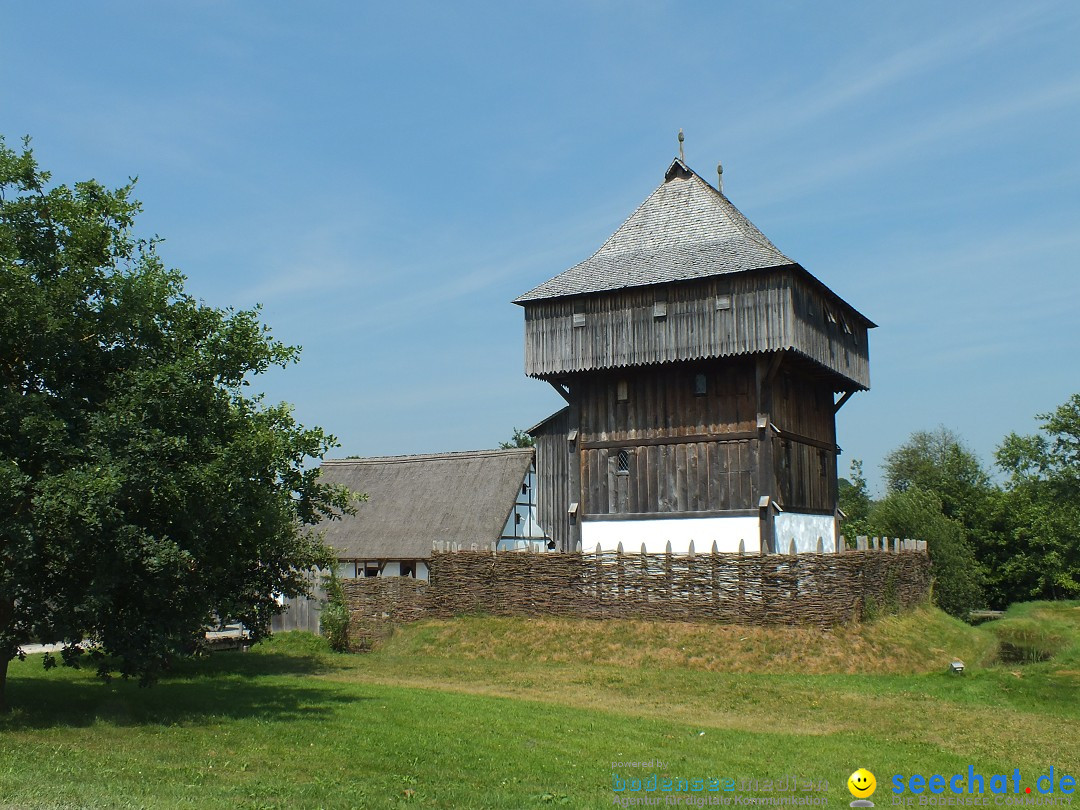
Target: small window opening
[(659, 310), (723, 302), (622, 463), (823, 463), (701, 385), (371, 569), (408, 569), (622, 391), (579, 313)]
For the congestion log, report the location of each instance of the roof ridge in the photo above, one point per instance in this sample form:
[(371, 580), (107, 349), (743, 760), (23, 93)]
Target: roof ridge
[(684, 230), (740, 220), (622, 224), (454, 454)]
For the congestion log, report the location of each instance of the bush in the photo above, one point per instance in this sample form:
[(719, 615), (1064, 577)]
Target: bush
[(917, 513), (334, 618)]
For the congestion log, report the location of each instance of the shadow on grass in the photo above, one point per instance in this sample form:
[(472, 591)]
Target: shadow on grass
[(258, 663), (262, 684)]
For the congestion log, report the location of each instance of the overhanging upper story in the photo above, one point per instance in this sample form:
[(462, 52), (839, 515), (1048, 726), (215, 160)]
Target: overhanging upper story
[(688, 278)]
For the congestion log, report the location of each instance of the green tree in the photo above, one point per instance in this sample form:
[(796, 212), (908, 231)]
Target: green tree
[(938, 461), (855, 502), (143, 494), (918, 513), (519, 439), (1040, 556)]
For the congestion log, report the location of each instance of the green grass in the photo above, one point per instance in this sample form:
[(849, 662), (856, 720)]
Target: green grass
[(1039, 631), (486, 712)]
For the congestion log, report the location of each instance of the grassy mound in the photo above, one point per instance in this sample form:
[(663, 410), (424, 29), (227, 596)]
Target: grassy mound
[(1033, 632), (924, 640), (515, 713)]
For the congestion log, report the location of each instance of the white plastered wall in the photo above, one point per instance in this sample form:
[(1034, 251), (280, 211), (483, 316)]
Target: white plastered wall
[(726, 532), (805, 531)]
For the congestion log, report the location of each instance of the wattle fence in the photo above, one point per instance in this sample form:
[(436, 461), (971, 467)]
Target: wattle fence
[(815, 589)]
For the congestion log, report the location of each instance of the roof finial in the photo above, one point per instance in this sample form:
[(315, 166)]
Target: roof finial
[(720, 177), (682, 154)]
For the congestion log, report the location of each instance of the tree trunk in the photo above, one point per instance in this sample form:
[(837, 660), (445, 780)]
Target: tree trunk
[(7, 649), (3, 685)]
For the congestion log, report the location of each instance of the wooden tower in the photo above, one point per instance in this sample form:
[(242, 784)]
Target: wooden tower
[(702, 370)]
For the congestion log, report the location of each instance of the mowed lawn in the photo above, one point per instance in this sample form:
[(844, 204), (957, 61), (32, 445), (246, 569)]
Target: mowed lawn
[(485, 712)]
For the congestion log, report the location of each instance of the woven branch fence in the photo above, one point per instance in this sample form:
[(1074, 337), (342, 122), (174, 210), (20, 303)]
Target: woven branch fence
[(817, 589)]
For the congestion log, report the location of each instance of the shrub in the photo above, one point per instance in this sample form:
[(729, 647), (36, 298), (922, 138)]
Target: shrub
[(917, 513), (334, 618)]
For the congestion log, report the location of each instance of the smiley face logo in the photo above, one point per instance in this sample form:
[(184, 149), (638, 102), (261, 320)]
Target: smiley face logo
[(862, 784)]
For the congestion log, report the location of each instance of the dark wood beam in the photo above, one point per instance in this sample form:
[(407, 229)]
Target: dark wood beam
[(774, 366), (672, 515), (766, 470), (574, 460), (562, 390), (798, 438), (694, 438), (840, 402)]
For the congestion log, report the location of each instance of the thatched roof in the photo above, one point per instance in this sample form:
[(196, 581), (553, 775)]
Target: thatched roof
[(415, 501)]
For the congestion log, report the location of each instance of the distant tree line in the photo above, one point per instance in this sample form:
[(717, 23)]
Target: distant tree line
[(991, 544)]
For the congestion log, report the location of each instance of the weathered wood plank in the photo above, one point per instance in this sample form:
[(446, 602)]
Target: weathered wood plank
[(770, 311)]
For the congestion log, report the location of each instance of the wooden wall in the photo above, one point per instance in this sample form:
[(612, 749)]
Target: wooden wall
[(553, 459), (685, 452), (689, 452), (718, 317), (804, 452), (830, 332)]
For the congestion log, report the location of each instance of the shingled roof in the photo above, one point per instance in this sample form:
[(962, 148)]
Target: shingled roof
[(684, 230), (414, 501)]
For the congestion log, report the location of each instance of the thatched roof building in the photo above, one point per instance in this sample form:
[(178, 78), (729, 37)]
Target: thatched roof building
[(465, 499)]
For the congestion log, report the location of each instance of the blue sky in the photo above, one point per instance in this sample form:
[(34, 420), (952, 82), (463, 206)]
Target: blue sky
[(385, 178)]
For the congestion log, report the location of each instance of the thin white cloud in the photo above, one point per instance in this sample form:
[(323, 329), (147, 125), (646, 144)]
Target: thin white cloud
[(865, 75), (946, 128)]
